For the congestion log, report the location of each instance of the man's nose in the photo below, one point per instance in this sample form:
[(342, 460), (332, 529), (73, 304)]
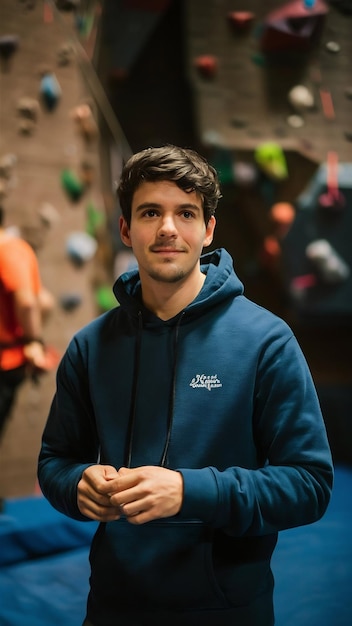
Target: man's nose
[(167, 226)]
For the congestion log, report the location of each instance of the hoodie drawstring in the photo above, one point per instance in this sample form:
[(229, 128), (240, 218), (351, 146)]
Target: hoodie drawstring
[(170, 417), (132, 416)]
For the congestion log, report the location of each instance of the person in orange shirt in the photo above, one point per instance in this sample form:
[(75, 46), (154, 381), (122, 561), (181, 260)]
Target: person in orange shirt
[(24, 303)]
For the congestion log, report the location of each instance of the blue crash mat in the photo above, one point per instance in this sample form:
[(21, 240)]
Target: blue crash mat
[(31, 528)]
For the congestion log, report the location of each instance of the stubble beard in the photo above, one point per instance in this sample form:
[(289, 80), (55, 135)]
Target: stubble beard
[(161, 277), (169, 271)]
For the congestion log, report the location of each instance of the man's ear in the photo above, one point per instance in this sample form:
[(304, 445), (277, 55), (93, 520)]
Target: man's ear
[(125, 232), (209, 233)]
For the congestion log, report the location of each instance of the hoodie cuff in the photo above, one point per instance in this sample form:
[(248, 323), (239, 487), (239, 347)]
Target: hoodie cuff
[(200, 494)]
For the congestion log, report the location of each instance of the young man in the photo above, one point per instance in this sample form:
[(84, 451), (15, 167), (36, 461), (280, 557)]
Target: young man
[(185, 421)]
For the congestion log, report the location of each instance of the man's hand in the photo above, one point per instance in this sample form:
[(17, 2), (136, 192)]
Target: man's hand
[(94, 491), (146, 493), (35, 354)]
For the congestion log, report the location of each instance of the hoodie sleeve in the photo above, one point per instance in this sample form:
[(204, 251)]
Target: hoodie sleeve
[(292, 486), (69, 442)]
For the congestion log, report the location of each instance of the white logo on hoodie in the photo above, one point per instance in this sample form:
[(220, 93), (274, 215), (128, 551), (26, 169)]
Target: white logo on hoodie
[(205, 381)]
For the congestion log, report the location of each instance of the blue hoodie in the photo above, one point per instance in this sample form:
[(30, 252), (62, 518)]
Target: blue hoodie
[(222, 393)]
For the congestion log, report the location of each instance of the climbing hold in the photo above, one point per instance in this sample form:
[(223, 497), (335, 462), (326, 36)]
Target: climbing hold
[(292, 27), (271, 159), (72, 185), (332, 198), (330, 266), (48, 13), (80, 247), (105, 298), (300, 98), (245, 174), (270, 253), (327, 104), (212, 138), (207, 65), (300, 284), (48, 214), (8, 46), (84, 24), (50, 91), (333, 46), (95, 219), (87, 171), (70, 301), (7, 163), (86, 125), (295, 121), (26, 127), (240, 20), (65, 54), (28, 108), (282, 215)]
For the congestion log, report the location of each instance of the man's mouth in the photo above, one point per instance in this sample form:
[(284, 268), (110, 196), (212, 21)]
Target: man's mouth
[(166, 250)]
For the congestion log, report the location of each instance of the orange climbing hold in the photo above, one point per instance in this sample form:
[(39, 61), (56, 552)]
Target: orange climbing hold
[(282, 215)]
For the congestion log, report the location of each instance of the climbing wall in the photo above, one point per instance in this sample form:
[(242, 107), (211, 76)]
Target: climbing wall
[(273, 100), (242, 70), (273, 95), (50, 189)]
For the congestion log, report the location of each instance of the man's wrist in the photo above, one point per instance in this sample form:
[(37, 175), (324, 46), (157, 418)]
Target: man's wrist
[(28, 340)]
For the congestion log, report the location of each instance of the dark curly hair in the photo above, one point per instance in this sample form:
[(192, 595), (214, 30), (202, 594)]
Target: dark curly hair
[(188, 169)]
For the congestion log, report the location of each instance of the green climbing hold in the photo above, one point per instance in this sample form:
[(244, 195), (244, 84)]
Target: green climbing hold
[(95, 219), (72, 185), (105, 298)]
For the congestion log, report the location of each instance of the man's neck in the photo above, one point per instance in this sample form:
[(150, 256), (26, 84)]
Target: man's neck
[(167, 300)]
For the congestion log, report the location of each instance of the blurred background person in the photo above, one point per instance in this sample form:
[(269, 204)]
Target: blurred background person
[(24, 305)]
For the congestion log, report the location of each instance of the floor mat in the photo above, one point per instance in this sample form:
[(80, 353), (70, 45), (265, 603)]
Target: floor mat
[(312, 566)]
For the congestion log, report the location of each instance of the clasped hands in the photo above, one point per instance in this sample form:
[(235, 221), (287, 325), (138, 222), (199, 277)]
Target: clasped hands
[(140, 494)]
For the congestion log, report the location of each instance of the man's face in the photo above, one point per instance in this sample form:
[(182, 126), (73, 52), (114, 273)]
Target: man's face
[(167, 231)]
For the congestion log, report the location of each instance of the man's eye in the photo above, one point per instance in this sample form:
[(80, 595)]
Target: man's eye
[(150, 213), (187, 214)]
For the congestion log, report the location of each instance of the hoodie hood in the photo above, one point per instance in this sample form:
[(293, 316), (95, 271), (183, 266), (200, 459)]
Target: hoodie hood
[(221, 283)]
